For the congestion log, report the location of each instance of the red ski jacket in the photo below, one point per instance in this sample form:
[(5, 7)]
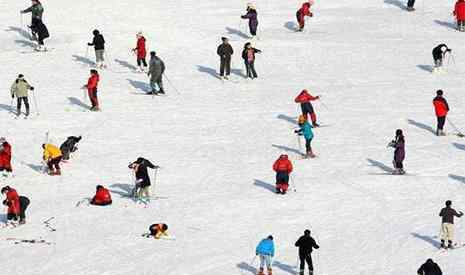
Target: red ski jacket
[(5, 156), (282, 164), (140, 48), (459, 10), (305, 97), (93, 82), (13, 201), (305, 10), (440, 106), (102, 196)]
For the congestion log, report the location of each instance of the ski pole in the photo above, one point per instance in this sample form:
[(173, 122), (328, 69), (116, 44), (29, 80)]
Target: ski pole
[(459, 133), (176, 90), (87, 52), (35, 103), (324, 105), (293, 183), (21, 20)]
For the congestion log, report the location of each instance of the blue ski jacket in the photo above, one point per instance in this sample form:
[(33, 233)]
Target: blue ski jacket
[(265, 247)]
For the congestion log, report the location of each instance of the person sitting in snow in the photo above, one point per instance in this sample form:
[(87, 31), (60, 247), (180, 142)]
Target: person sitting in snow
[(158, 230), (102, 196), (52, 156), (5, 157), (282, 167), (69, 146), (439, 52)]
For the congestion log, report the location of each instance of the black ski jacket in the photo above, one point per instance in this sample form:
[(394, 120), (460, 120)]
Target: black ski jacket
[(448, 214), (98, 42), (142, 175), (438, 53), (429, 268), (306, 245), (225, 51)]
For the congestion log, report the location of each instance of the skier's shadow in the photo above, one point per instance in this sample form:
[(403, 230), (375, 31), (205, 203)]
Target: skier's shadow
[(461, 179), (264, 185), (38, 168), (237, 32), (285, 267), (25, 43), (427, 239), (427, 68), (446, 24), (6, 107), (247, 267), (20, 31), (288, 149), (126, 64), (291, 25), (122, 189), (76, 101), (139, 85), (3, 218), (288, 119), (396, 3), (421, 126), (208, 70), (380, 165), (82, 59)]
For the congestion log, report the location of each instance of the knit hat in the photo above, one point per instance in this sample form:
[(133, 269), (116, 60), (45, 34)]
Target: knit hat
[(224, 38), (270, 237), (448, 203), (398, 132), (307, 232), (5, 189), (20, 76), (95, 32), (439, 92)]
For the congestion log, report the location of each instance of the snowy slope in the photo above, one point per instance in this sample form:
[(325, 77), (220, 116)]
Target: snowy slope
[(216, 141)]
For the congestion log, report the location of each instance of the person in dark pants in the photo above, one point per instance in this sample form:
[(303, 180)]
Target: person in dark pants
[(156, 70), (410, 5), (441, 109), (225, 51), (306, 244), (253, 21), (399, 153), (19, 89), (283, 167), (447, 215), (439, 52), (248, 54), (23, 204), (429, 268), (69, 146), (99, 45)]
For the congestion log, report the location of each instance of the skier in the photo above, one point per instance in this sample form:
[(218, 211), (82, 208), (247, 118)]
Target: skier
[(306, 130), (142, 184), (5, 157), (429, 268), (248, 54), (158, 230), (99, 45), (19, 89), (69, 146), (306, 244), (156, 70), (52, 156), (439, 52), (282, 167), (441, 109), (91, 86), (225, 51), (304, 98), (447, 226), (252, 17), (399, 153), (38, 28), (459, 12), (141, 52), (12, 201), (265, 250), (302, 12), (410, 5), (102, 196)]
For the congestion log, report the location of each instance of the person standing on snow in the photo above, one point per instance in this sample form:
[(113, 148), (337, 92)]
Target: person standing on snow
[(69, 146), (141, 52), (399, 153), (283, 167), (225, 51), (410, 5), (306, 130), (91, 86), (99, 45), (439, 52), (251, 15), (102, 196), (459, 12), (305, 99), (302, 12), (19, 89), (17, 205), (441, 109), (142, 185), (5, 157), (265, 251), (52, 156), (306, 244), (38, 28), (248, 54), (156, 70), (429, 268), (447, 225)]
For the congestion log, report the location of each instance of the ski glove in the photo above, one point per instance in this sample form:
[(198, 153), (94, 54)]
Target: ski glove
[(89, 44), (32, 88)]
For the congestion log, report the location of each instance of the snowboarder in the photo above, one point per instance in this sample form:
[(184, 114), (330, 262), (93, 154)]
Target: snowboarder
[(5, 157), (399, 153), (142, 184), (265, 250), (91, 86), (38, 29), (306, 130), (19, 89), (439, 52), (306, 244), (52, 156), (459, 12), (302, 12), (99, 45), (304, 98), (441, 109), (429, 268), (156, 70), (158, 230), (251, 15), (102, 196), (225, 51), (69, 146), (447, 225), (248, 54), (141, 52), (410, 5), (282, 167)]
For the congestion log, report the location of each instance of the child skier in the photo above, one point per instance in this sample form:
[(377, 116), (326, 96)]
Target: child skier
[(102, 196), (429, 268), (306, 244), (141, 52), (5, 157), (283, 167), (302, 12), (439, 52), (248, 54), (19, 89), (17, 205), (447, 226), (99, 45), (459, 12), (142, 184), (158, 230), (225, 51), (265, 250), (69, 146), (52, 156), (91, 86), (441, 109), (306, 131), (399, 153), (304, 98), (156, 70), (251, 15)]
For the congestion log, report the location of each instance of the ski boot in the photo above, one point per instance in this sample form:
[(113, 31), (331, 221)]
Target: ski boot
[(410, 9), (310, 154), (315, 125), (450, 245), (396, 171), (301, 272), (278, 190), (443, 245), (21, 222), (260, 271), (270, 271)]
